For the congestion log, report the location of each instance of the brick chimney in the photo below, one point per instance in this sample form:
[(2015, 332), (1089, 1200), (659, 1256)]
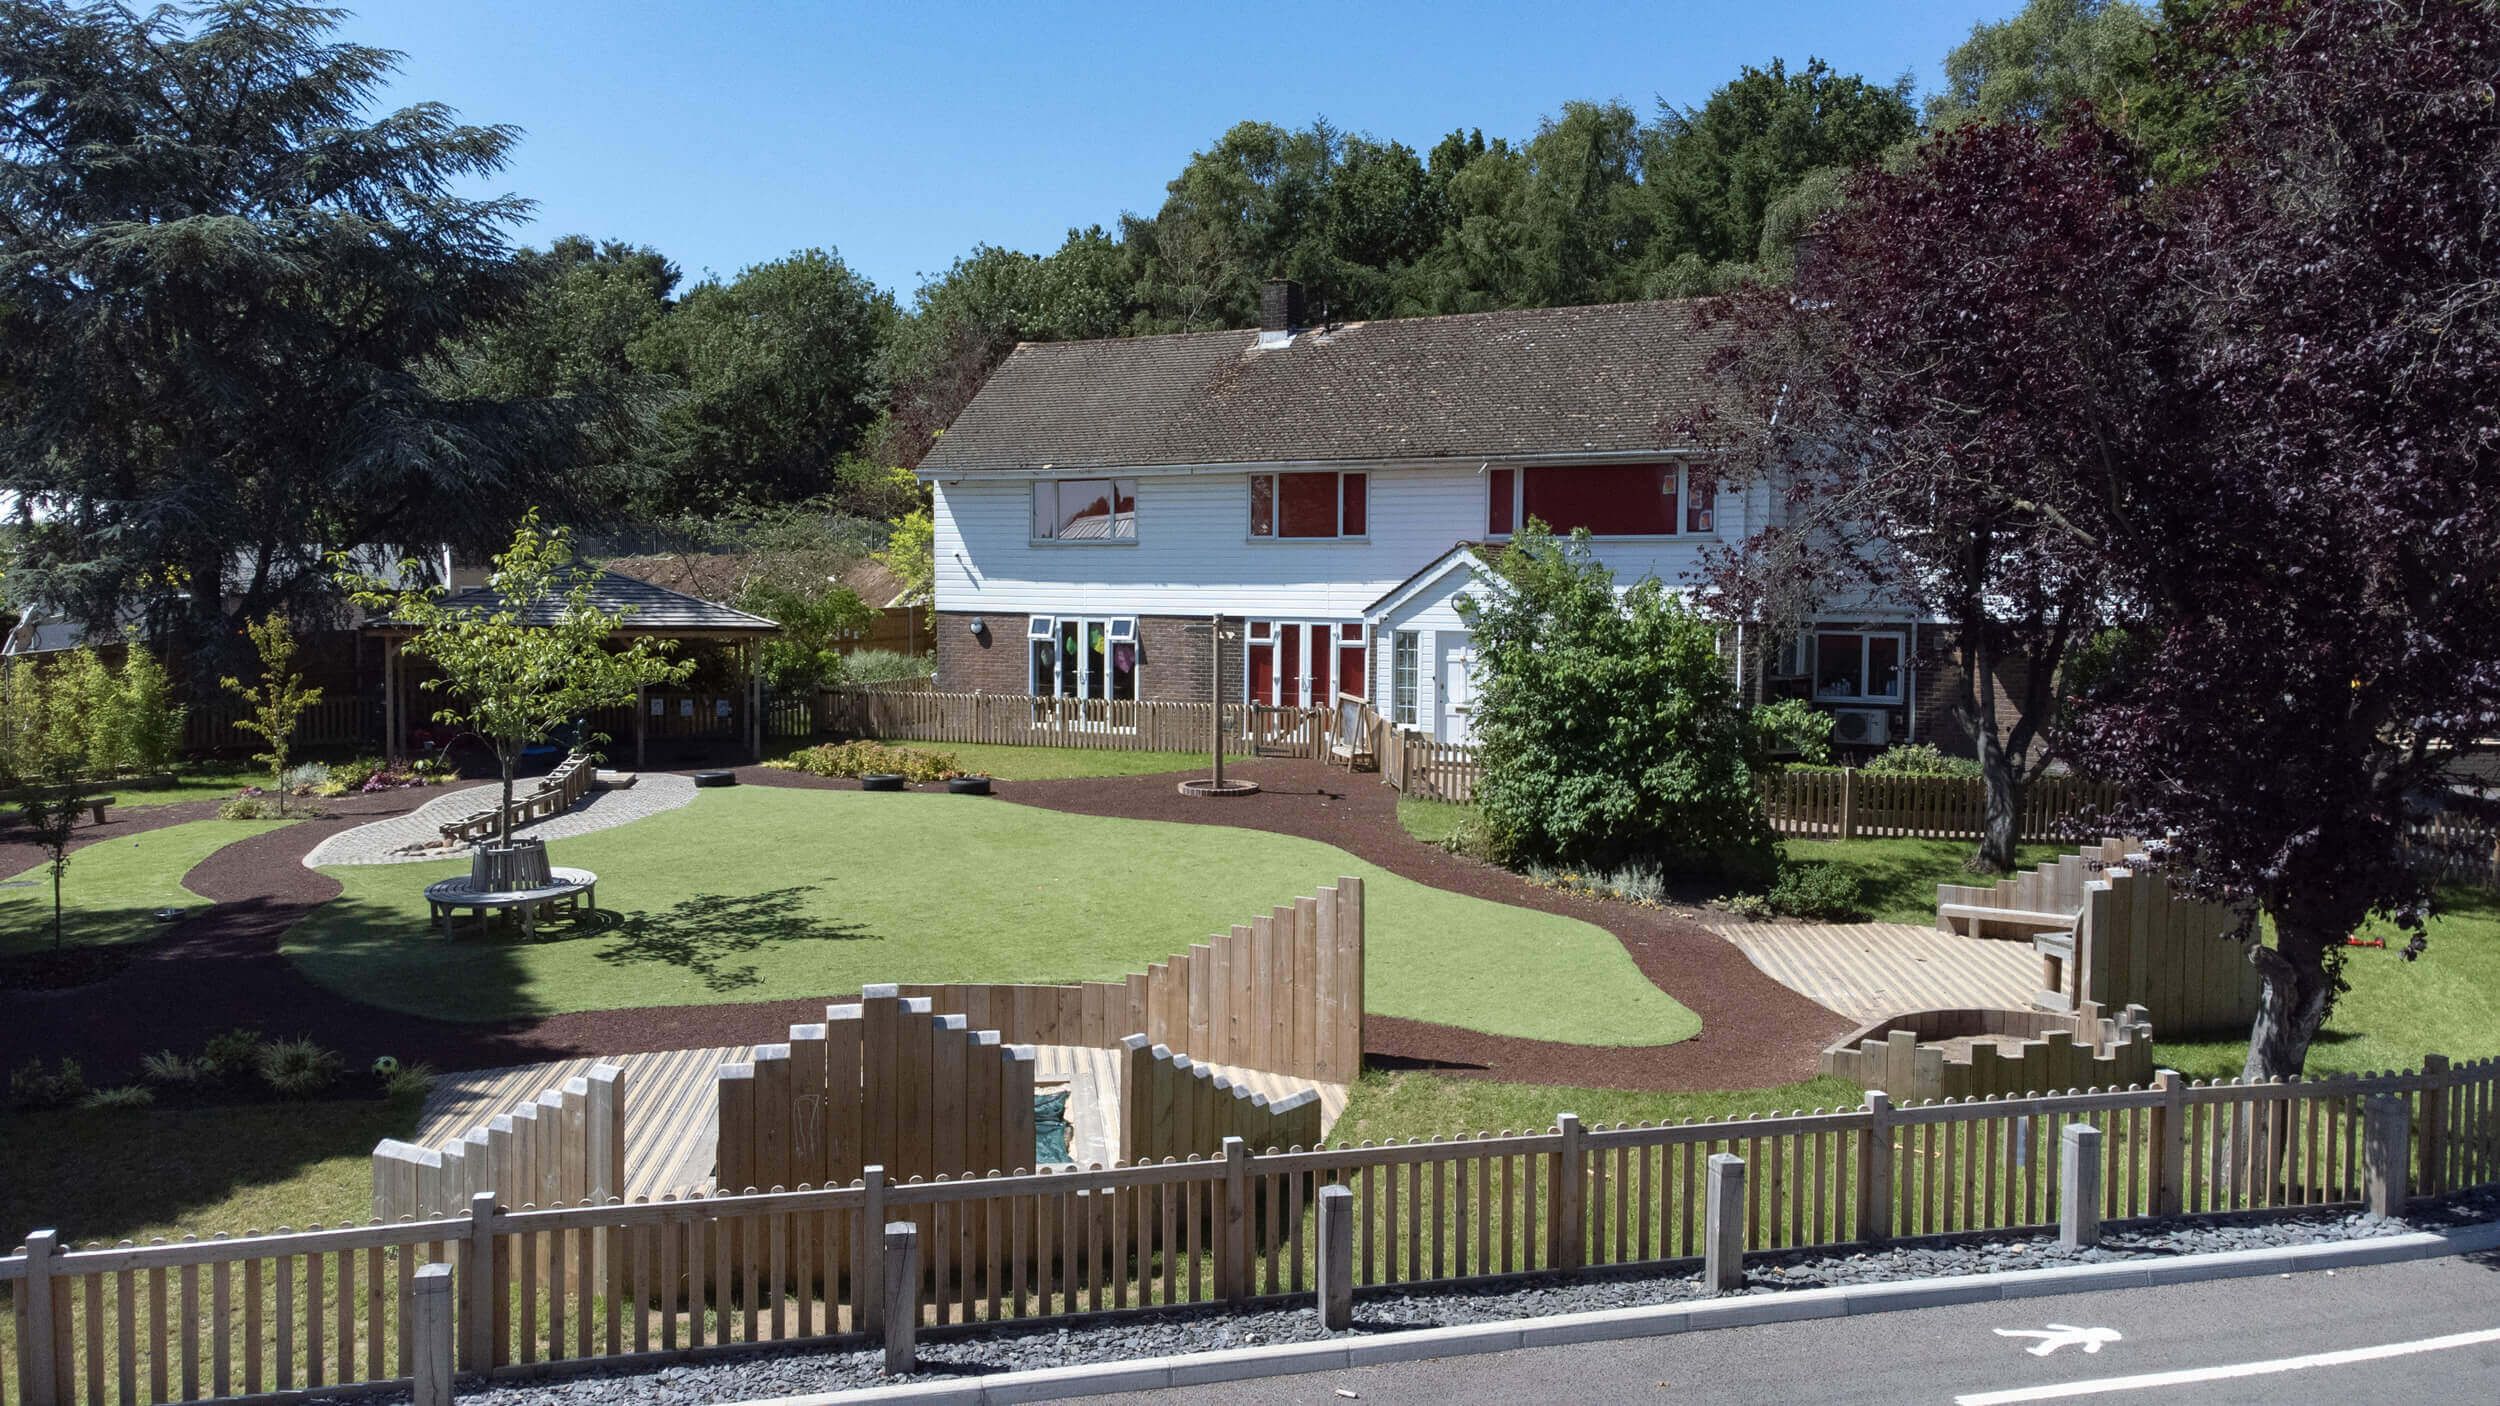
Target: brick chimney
[(1280, 308)]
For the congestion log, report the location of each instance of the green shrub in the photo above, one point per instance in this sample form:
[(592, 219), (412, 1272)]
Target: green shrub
[(1751, 906), (30, 1086), (1646, 887), (1920, 759), (1817, 890), (351, 775), (886, 666), (248, 808), (1788, 731), (169, 1070), (870, 758), (1472, 838), (1610, 732), (299, 1068), (235, 1052), (411, 1082), (127, 1098), (305, 780), (151, 721)]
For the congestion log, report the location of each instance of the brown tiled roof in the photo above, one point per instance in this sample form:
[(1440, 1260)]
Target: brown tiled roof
[(712, 576), (1615, 378)]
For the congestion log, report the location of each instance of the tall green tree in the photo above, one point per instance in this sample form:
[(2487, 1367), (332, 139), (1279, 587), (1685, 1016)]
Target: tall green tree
[(1715, 170), (221, 277)]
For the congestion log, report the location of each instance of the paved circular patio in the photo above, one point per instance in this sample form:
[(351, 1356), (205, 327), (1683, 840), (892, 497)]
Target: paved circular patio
[(384, 841)]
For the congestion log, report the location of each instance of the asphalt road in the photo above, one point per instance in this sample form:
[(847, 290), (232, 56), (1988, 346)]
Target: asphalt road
[(1957, 1354)]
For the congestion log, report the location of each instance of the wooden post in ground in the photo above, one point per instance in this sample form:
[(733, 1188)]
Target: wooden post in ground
[(2434, 1124), (1723, 1217), (867, 1273), (479, 1347), (1215, 694), (1570, 1183), (1875, 1170), (1849, 803), (2079, 1187), (429, 1324), (2386, 1137), (1233, 1270), (902, 1296), (39, 1373), (1336, 1258), (2169, 1143)]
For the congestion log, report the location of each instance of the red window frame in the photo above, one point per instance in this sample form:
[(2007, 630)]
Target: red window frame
[(1291, 507)]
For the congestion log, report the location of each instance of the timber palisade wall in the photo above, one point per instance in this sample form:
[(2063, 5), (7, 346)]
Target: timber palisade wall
[(566, 1144), (1850, 805), (332, 1307), (885, 1081), (1173, 1106), (2056, 1052), (1281, 993), (2134, 941)]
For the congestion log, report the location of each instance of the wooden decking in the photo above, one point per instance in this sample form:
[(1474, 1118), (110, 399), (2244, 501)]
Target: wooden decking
[(1869, 970), (672, 1117)]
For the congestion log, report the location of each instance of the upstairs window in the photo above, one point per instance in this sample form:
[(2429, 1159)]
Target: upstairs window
[(1085, 510), (1610, 500), (1310, 505)]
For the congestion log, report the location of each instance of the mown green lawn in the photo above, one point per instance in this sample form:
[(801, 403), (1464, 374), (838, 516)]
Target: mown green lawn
[(760, 893), (1432, 821), (1405, 1104), (192, 781), (1899, 877), (114, 888)]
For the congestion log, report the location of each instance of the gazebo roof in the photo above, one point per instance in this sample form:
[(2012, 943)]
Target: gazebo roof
[(655, 610)]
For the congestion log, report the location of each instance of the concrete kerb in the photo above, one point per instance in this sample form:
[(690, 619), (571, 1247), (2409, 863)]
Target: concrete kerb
[(1294, 1359)]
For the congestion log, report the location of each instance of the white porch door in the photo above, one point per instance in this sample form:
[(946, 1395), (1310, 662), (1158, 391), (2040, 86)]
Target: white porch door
[(1455, 673)]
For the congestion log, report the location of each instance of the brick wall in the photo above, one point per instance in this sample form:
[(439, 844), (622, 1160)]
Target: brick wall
[(1173, 652), (1172, 660), (994, 661), (1940, 685)]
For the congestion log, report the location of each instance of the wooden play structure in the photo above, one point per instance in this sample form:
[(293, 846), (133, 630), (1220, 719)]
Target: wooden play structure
[(565, 1145), (1966, 1054), (2112, 934), (1173, 1106)]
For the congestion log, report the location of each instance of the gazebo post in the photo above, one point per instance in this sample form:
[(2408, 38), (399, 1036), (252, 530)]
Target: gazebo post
[(755, 702), (391, 741), (641, 718)]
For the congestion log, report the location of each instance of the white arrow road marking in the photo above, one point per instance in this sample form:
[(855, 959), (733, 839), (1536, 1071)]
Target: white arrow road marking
[(2062, 1335), (2188, 1375)]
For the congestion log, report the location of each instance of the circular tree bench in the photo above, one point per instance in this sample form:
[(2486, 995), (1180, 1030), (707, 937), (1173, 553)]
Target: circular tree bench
[(574, 891)]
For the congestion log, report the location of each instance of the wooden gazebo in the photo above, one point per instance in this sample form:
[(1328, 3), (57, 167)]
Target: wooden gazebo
[(653, 612)]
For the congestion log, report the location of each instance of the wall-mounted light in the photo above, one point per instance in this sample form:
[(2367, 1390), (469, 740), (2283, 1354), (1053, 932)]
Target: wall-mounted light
[(978, 628)]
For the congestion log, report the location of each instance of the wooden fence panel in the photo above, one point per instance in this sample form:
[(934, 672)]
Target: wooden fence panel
[(1851, 804)]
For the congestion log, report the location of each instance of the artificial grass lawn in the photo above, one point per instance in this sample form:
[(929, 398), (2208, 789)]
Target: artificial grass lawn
[(1432, 821), (2446, 1002), (1899, 877), (192, 782), (1405, 1104), (761, 893), (113, 888)]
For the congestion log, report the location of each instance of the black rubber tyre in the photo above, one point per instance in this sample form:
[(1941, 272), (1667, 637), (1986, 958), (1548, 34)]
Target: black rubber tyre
[(716, 778), (967, 785), (881, 781)]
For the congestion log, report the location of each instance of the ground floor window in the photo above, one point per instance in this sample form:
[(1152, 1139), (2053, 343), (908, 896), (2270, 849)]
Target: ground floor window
[(1084, 656), (1303, 663), (1849, 666), (1402, 652)]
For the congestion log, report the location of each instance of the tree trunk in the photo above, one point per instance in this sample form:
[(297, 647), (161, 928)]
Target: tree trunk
[(2000, 827), (57, 867), (510, 758), (2291, 1004)]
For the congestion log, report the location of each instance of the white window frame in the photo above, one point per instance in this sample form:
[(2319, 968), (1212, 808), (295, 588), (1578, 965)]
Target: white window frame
[(1901, 673), (1683, 506), (1276, 507), (1117, 630), (1051, 485), (1405, 664), (1252, 641)]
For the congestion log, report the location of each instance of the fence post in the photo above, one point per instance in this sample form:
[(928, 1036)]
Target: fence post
[(2079, 1187), (477, 1273), (1723, 1224), (1234, 1272), (868, 1255), (2385, 1151), (1570, 1196), (2169, 1143), (39, 1375), (902, 1296), (2434, 1124), (1875, 1170), (1848, 803), (429, 1324), (1336, 1257)]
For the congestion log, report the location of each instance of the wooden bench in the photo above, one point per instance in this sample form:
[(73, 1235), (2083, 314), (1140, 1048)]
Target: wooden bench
[(569, 890), (1953, 914)]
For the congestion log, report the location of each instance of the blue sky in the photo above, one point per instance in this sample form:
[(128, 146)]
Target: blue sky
[(901, 134)]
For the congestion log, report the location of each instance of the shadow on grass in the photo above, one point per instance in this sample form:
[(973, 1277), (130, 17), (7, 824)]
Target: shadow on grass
[(704, 934)]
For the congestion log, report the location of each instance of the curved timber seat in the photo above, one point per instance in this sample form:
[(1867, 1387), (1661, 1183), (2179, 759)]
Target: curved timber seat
[(573, 891)]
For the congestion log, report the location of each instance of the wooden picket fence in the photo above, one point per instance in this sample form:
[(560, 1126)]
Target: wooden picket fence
[(1027, 720), (631, 1282), (2456, 848), (1851, 804)]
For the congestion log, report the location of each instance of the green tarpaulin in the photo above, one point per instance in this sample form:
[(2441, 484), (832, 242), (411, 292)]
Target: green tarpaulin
[(1050, 1128)]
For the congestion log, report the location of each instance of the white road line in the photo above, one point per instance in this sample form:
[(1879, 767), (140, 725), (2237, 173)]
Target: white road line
[(2057, 1390)]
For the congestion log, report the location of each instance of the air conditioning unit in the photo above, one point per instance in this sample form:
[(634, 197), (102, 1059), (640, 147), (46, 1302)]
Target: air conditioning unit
[(1861, 727)]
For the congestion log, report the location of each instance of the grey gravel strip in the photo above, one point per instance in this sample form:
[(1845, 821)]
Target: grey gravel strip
[(381, 841), (1174, 1347)]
